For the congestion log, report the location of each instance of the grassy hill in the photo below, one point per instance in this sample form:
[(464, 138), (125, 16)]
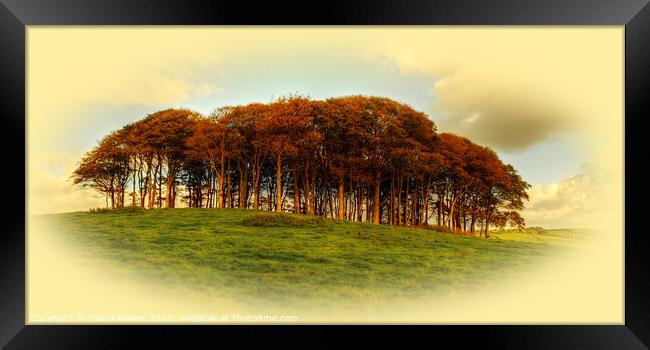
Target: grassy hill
[(245, 255), (559, 237)]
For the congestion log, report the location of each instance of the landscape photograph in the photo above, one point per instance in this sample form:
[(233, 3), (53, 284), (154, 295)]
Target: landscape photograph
[(287, 175)]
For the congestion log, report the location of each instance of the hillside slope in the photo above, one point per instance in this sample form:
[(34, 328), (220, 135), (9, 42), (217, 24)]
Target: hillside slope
[(245, 255)]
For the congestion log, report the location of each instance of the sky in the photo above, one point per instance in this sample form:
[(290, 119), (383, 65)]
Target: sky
[(549, 100)]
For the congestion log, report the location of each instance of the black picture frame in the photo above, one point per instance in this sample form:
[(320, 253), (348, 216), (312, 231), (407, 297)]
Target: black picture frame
[(15, 15)]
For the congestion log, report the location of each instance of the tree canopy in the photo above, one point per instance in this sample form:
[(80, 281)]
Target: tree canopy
[(358, 158)]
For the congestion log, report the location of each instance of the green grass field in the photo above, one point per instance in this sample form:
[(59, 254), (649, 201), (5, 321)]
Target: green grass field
[(242, 256), (558, 237)]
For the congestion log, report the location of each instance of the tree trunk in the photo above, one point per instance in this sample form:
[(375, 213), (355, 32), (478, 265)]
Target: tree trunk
[(147, 187), (168, 195), (376, 200), (133, 199), (471, 224), (160, 185), (144, 187), (351, 203), (311, 195), (405, 220), (256, 187), (243, 186), (270, 200), (174, 190), (368, 211), (212, 189), (414, 204), (359, 204), (278, 175), (391, 202), (220, 200), (305, 192), (229, 188), (464, 218), (451, 217), (425, 202), (112, 199), (341, 199), (296, 193), (398, 201), (329, 202), (152, 189), (439, 209)]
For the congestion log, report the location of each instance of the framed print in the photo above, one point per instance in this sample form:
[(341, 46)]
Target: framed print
[(454, 168)]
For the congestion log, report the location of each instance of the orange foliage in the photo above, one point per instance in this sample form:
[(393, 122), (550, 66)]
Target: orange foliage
[(355, 157)]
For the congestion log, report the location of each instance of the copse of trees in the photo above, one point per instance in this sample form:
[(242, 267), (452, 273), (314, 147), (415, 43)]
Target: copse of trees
[(357, 158)]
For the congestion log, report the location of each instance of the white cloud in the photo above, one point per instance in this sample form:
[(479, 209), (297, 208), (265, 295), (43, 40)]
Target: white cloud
[(69, 68), (50, 189), (97, 68), (511, 88), (589, 199), (526, 84), (566, 203)]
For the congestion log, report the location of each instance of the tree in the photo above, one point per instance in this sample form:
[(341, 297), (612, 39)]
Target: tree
[(281, 131), (360, 158), (106, 168)]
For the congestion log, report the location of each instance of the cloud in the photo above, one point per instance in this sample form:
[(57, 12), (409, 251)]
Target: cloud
[(588, 199), (514, 88), (50, 189), (72, 70), (511, 89), (566, 203)]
